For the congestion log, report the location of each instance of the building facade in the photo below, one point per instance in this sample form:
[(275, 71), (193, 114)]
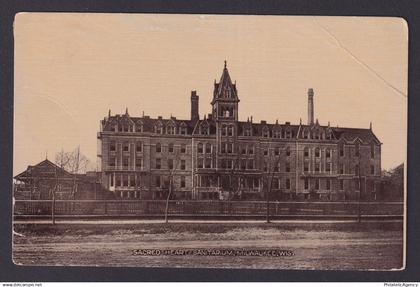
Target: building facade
[(220, 157)]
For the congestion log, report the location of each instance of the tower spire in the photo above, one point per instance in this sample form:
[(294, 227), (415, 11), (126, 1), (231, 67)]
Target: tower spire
[(225, 64)]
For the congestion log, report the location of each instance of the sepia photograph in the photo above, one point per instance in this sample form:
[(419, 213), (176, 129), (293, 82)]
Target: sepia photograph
[(210, 141)]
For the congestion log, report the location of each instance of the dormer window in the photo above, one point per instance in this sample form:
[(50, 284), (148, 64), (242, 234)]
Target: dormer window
[(170, 130), (139, 128), (183, 130), (266, 133), (159, 129)]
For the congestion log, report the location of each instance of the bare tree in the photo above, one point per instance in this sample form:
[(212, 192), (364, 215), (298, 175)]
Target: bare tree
[(271, 162), (74, 162), (172, 170)]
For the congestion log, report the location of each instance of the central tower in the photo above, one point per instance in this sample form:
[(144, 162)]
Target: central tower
[(225, 98)]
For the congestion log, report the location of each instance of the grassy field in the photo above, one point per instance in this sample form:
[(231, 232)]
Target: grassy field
[(345, 246)]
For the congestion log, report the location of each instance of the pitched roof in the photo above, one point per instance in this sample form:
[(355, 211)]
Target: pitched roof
[(43, 169), (351, 134), (225, 83)]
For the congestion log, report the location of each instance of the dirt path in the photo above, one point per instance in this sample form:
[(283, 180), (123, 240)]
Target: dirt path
[(315, 246)]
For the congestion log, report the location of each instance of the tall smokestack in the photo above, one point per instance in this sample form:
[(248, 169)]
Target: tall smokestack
[(194, 106), (310, 106)]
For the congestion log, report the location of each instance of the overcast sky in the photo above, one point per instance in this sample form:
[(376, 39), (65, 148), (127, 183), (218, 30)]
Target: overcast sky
[(71, 68)]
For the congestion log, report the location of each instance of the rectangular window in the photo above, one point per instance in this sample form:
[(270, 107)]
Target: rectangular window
[(200, 163), (256, 183), (170, 163), (171, 148), (277, 151), (125, 180), (132, 181), (182, 181), (182, 164), (341, 150), (229, 164), (158, 163), (277, 167), (230, 131), (317, 167), (317, 184), (158, 181), (342, 168), (229, 148), (372, 169), (287, 151), (112, 180), (265, 167), (112, 146), (243, 149), (208, 162), (111, 161), (223, 147), (328, 184), (287, 183), (306, 183), (183, 148), (328, 167), (265, 151), (118, 180), (251, 149), (287, 166), (126, 146), (139, 146), (341, 184), (158, 148), (138, 162), (208, 148), (306, 166), (243, 164), (372, 151), (328, 153), (125, 161), (250, 164)]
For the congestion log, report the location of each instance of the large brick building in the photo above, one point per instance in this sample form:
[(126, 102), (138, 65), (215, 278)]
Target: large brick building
[(219, 157)]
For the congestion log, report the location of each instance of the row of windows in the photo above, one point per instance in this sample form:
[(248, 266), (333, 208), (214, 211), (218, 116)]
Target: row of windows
[(357, 150), (171, 164), (162, 183), (125, 162), (317, 135), (170, 130), (125, 146), (159, 129), (317, 184), (277, 134)]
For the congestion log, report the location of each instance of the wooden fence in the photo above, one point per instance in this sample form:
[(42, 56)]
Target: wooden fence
[(203, 208)]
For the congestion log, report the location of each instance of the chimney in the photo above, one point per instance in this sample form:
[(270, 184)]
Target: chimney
[(310, 106), (194, 106)]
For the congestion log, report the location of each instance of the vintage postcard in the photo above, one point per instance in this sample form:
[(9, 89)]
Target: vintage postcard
[(210, 141)]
